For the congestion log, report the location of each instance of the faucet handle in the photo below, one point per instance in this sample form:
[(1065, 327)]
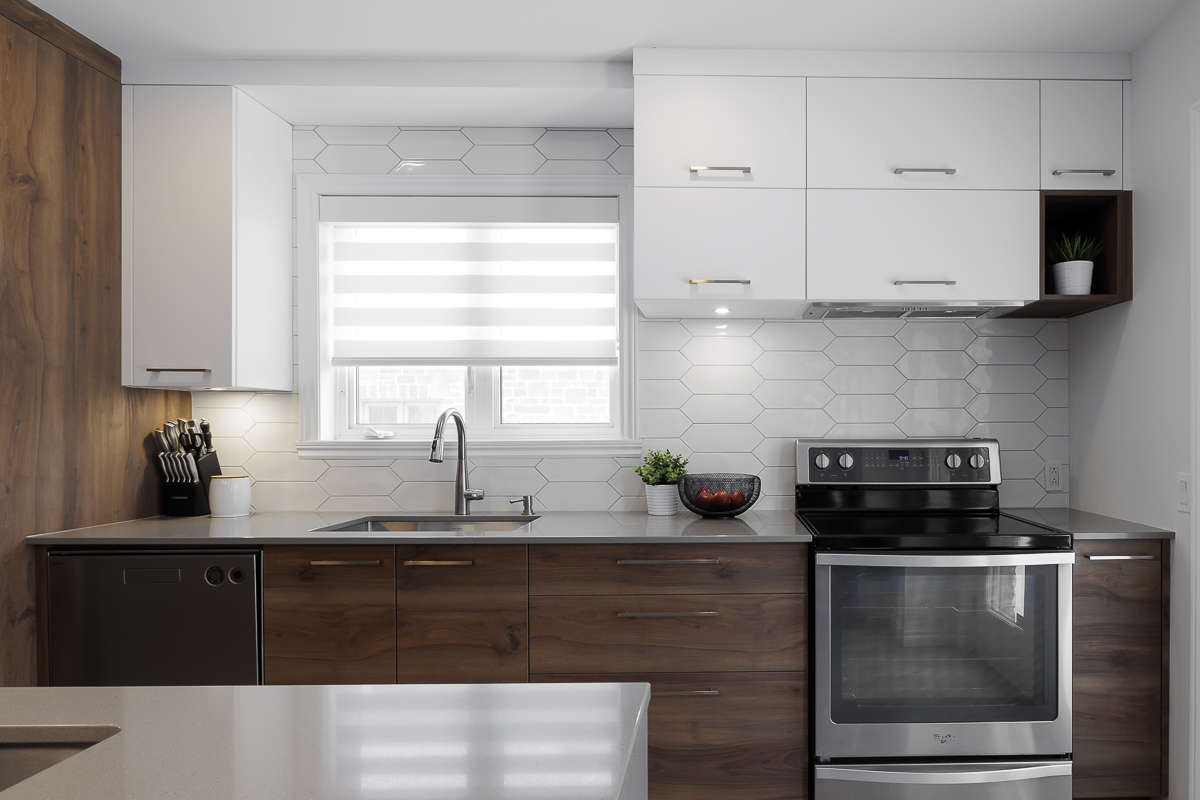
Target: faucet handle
[(527, 500), (473, 494)]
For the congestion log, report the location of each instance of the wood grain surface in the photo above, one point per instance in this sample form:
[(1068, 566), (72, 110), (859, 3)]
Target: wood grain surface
[(1118, 671), (750, 742), (597, 569), (329, 623), (462, 623), (76, 448), (62, 36)]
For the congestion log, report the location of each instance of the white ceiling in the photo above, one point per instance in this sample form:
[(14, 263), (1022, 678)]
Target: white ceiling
[(592, 30)]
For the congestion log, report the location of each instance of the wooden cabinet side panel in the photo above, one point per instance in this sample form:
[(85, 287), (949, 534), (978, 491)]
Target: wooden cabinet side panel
[(328, 624)]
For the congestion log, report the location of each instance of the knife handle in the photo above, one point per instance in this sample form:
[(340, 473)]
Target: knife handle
[(208, 439)]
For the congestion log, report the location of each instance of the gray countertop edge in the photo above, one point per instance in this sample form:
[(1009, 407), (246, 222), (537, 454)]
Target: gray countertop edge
[(1085, 525)]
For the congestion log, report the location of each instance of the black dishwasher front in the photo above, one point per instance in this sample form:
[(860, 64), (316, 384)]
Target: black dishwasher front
[(181, 618)]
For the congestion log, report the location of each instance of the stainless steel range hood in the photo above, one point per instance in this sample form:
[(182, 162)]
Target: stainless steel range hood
[(914, 311)]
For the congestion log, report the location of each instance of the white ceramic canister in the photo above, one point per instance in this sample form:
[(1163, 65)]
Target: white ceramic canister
[(229, 495), (662, 501), (1073, 277)]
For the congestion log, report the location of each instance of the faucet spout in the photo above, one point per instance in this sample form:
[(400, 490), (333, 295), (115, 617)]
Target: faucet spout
[(463, 493)]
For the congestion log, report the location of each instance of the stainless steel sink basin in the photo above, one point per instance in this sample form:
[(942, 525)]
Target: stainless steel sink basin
[(432, 523), (26, 750)]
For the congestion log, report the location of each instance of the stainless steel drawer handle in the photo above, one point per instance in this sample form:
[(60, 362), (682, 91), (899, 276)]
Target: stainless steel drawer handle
[(641, 561), (693, 693), (924, 283), (178, 369), (644, 614), (439, 563), (1119, 558), (372, 563), (743, 282), (943, 170), (743, 170), (1108, 173)]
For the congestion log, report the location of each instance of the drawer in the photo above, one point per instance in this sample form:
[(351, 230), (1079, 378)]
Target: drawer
[(725, 736), (668, 569), (668, 633), (861, 130)]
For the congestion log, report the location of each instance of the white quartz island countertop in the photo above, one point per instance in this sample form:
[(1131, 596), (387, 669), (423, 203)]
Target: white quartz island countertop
[(584, 741)]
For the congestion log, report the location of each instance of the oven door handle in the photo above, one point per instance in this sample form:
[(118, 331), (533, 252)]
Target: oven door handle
[(920, 774), (954, 560)]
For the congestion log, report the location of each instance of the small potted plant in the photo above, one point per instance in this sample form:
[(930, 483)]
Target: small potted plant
[(661, 471), (1073, 258)]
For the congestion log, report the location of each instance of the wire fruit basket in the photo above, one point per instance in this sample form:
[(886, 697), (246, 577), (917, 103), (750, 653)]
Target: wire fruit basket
[(723, 490)]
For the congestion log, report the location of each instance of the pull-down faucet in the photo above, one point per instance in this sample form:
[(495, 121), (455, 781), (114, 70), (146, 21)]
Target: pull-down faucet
[(463, 493)]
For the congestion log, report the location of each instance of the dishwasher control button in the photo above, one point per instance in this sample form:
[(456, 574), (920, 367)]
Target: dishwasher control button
[(845, 461), (214, 575), (954, 461), (822, 461), (237, 575), (977, 461)]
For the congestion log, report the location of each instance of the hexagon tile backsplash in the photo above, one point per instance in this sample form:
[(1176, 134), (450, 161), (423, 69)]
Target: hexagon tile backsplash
[(731, 398)]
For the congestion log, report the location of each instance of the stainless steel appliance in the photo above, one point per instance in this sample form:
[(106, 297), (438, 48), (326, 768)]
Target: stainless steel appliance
[(153, 618), (941, 630)]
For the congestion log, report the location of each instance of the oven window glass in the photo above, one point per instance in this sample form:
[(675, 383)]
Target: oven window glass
[(944, 644)]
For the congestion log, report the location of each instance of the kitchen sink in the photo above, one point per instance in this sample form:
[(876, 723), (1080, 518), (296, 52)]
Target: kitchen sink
[(432, 523), (26, 750)]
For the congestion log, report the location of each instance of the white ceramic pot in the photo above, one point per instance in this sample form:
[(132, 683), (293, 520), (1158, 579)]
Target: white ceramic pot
[(229, 495), (662, 501), (1073, 277)]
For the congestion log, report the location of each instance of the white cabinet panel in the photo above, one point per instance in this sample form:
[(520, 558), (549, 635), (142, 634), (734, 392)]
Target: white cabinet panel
[(861, 130), (1082, 124), (755, 123), (684, 234), (861, 243)]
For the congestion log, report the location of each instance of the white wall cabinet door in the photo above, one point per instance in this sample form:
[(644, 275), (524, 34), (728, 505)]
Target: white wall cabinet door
[(880, 245), (683, 235), (1082, 134), (206, 241), (862, 130), (751, 123)]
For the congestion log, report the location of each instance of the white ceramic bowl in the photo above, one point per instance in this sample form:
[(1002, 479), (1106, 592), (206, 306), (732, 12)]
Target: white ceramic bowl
[(229, 495)]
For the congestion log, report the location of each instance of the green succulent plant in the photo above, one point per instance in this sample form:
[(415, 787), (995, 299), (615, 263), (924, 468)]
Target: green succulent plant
[(661, 468), (1075, 248)]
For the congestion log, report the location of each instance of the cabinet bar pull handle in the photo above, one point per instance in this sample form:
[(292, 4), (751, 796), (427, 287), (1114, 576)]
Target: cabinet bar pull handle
[(694, 693), (720, 280), (177, 369), (743, 170), (943, 170), (373, 563), (439, 563), (640, 561), (1108, 173), (642, 614), (924, 283), (1119, 558)]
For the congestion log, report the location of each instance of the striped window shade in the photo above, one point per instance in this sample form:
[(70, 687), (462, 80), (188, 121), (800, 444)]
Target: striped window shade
[(470, 280)]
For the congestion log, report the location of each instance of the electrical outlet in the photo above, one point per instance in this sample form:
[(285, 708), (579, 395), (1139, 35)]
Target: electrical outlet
[(1054, 477), (1185, 491)]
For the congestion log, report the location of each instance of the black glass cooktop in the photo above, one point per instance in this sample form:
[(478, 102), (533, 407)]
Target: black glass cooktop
[(936, 531)]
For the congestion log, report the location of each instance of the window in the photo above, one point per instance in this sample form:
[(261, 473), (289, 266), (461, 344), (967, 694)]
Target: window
[(511, 306)]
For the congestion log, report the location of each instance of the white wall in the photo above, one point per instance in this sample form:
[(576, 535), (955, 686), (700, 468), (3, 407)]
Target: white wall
[(1131, 365)]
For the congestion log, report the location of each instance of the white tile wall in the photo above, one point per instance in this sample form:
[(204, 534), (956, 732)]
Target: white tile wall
[(732, 395)]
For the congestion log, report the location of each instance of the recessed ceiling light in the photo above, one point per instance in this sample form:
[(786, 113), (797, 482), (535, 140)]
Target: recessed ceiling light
[(719, 327), (721, 310)]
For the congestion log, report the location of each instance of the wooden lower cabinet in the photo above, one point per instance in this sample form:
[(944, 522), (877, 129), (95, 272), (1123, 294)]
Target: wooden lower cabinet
[(329, 614), (1120, 668), (747, 742)]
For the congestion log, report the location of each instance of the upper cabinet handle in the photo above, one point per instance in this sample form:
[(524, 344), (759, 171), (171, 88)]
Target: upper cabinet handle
[(924, 283), (743, 170), (718, 280), (439, 563), (1119, 558), (178, 369), (640, 561), (943, 170), (1108, 173)]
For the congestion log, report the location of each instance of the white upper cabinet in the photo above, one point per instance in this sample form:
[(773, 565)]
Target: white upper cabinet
[(1082, 134), (915, 246), (749, 131), (888, 133), (206, 240)]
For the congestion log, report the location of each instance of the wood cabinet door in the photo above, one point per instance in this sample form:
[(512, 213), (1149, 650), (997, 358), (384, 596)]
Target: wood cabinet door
[(1082, 129), (462, 613), (724, 736), (1119, 659), (329, 614)]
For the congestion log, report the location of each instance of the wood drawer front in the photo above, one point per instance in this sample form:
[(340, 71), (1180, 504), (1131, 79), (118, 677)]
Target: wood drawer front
[(679, 569), (1118, 669), (750, 632), (328, 622), (460, 622), (749, 742)]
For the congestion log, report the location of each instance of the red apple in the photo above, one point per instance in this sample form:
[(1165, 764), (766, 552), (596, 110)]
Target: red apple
[(704, 498), (737, 499), (720, 500)]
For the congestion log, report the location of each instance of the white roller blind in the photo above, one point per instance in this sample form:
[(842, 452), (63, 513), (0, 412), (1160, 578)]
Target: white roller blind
[(471, 280)]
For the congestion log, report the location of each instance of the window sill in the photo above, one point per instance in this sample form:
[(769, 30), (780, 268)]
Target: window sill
[(530, 448)]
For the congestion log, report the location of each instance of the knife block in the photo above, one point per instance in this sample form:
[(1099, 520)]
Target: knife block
[(191, 499)]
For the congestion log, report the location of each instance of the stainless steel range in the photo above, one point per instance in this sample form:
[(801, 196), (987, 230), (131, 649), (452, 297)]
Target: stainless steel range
[(942, 627)]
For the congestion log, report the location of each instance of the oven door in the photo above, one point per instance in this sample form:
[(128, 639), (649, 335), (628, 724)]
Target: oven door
[(1037, 780), (942, 655)]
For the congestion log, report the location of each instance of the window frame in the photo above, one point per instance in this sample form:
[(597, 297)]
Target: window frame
[(322, 405)]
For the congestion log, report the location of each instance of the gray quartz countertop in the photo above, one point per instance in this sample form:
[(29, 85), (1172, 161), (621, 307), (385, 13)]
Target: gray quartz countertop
[(583, 741), (1086, 525), (297, 527)]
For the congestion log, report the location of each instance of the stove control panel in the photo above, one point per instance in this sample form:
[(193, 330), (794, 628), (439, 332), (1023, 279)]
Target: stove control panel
[(927, 461)]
